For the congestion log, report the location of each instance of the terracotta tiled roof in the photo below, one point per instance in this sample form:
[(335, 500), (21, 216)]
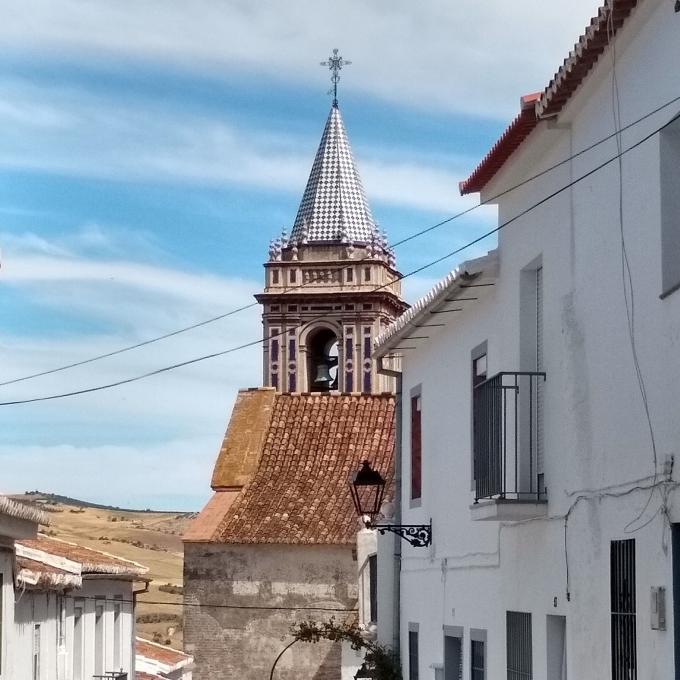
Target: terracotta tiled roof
[(91, 561), (147, 676), (36, 574), (21, 510), (167, 656), (565, 82), (300, 492), (514, 135), (243, 441), (439, 295), (204, 526)]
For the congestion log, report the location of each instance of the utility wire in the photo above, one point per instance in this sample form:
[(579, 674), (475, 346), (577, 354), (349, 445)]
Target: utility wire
[(404, 276), (118, 600), (396, 244)]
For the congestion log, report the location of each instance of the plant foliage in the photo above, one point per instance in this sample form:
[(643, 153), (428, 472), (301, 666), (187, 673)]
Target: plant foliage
[(380, 661)]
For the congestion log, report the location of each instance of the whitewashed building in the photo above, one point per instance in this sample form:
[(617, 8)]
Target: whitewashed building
[(17, 521), (540, 389), (73, 613), (160, 662)]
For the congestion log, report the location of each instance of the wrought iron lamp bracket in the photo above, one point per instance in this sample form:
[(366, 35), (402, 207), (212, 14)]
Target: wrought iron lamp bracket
[(418, 535)]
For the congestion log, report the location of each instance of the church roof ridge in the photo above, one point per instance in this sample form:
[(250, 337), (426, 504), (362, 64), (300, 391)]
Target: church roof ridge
[(334, 206)]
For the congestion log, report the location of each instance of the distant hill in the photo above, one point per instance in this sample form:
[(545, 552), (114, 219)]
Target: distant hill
[(152, 538), (45, 497)]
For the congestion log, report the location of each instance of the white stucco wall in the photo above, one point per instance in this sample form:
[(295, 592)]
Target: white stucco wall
[(56, 660), (596, 434)]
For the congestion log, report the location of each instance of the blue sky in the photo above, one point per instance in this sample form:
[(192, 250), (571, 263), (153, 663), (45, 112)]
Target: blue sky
[(150, 150)]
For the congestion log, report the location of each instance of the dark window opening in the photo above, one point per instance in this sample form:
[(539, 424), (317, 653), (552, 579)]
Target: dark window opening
[(518, 646), (373, 587), (413, 655), (622, 585), (367, 273), (275, 276), (323, 361), (416, 448), (477, 666)]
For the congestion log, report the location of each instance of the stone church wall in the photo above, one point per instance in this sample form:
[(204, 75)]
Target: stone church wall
[(243, 643)]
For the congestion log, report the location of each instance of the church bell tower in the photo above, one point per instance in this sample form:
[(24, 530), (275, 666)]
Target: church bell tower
[(331, 286)]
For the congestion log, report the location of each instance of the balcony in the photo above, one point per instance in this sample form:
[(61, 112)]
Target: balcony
[(508, 447), (111, 675)]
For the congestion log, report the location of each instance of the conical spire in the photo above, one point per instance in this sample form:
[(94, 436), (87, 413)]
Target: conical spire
[(334, 206)]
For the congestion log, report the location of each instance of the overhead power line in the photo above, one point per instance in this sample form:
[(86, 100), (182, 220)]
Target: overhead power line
[(411, 273), (396, 244), (206, 605)]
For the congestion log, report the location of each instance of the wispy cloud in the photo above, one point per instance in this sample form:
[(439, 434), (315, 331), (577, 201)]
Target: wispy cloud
[(97, 136), (464, 56), (182, 413)]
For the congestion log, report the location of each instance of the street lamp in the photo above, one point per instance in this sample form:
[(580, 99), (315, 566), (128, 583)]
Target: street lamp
[(368, 488)]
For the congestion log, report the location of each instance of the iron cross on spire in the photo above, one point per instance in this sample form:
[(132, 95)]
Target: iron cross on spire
[(335, 64)]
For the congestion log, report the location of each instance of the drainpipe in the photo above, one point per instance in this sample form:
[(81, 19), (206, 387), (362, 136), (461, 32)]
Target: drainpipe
[(133, 627), (396, 616)]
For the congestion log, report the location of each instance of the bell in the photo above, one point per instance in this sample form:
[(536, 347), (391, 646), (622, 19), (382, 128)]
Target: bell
[(323, 374)]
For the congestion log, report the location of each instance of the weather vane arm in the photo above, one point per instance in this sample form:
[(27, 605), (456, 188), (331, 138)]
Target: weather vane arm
[(335, 63)]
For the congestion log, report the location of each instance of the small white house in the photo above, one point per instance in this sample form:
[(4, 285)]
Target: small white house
[(160, 662), (540, 389), (17, 521), (73, 612)]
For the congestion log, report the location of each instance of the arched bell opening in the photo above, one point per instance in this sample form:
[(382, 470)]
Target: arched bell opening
[(322, 350)]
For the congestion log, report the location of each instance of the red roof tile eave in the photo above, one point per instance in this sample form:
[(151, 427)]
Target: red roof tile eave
[(520, 128), (555, 96)]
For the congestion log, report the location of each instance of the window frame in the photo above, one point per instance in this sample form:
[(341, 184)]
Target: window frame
[(413, 659), (478, 636), (416, 447)]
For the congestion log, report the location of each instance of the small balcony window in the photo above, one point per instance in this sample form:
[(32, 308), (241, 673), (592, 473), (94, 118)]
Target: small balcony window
[(506, 439)]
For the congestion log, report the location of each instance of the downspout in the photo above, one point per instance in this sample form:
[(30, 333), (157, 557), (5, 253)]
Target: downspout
[(133, 627), (398, 419)]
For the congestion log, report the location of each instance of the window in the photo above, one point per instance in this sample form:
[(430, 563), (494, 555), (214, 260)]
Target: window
[(622, 586), (349, 275), (275, 276), (117, 633), (479, 369), (416, 447), (99, 638), (518, 646), (670, 209), (477, 654), (413, 651), (453, 653), (367, 273), (36, 651), (373, 586), (292, 275), (78, 642), (61, 621)]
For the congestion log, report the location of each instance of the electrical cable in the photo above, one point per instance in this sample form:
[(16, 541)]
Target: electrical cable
[(396, 244), (118, 600), (454, 252), (628, 288)]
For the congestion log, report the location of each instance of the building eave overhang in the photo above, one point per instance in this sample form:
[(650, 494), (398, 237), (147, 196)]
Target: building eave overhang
[(549, 103), (482, 270)]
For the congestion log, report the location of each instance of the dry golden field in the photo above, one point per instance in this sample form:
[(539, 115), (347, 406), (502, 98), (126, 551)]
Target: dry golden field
[(153, 539)]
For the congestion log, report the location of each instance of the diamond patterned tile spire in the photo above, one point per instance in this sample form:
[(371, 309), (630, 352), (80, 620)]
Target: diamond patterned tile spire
[(334, 206)]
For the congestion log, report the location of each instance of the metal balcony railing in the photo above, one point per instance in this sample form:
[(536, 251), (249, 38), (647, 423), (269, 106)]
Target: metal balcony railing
[(508, 437), (111, 675)]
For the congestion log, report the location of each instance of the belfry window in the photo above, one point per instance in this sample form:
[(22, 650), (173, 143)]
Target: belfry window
[(322, 349)]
